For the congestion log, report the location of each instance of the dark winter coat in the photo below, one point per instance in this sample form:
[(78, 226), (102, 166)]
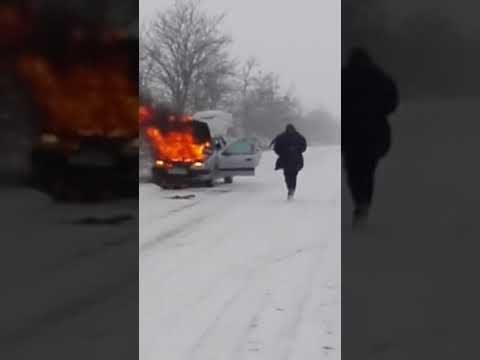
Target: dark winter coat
[(368, 97), (290, 146)]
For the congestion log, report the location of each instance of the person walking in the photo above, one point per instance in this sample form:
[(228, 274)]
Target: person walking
[(369, 96), (290, 146)]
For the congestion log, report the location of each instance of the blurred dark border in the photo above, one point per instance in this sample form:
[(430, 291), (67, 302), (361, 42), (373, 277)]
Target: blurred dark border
[(409, 275), (69, 271)]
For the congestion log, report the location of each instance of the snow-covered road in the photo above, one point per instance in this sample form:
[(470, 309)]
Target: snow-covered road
[(237, 272)]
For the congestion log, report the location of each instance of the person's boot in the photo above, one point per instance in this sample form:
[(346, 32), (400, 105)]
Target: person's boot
[(291, 193), (360, 215)]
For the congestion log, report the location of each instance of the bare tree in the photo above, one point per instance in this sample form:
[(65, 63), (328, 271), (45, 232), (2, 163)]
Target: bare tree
[(145, 69), (214, 83), (247, 75), (245, 80), (181, 42), (264, 108)]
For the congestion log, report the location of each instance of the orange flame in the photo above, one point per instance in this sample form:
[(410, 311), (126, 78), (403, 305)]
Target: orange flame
[(97, 100), (91, 93), (176, 146)]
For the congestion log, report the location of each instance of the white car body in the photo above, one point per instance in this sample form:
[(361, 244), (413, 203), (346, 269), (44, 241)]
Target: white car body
[(238, 157), (219, 122)]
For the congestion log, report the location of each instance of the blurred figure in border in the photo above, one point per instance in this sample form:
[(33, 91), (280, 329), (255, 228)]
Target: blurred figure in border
[(290, 146), (369, 96)]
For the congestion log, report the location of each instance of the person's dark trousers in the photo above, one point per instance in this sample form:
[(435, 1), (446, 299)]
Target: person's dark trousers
[(361, 178), (291, 179)]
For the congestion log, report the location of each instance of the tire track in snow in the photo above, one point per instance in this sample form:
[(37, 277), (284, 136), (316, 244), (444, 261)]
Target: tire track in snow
[(182, 229), (312, 271), (226, 306), (217, 239), (264, 263), (255, 320), (208, 294), (153, 218), (291, 331), (252, 282), (324, 300), (243, 345), (159, 215), (185, 228)]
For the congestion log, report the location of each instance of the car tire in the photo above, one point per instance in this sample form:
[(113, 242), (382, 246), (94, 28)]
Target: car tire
[(209, 183), (228, 180)]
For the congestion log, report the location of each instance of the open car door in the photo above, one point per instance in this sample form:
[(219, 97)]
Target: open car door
[(240, 158)]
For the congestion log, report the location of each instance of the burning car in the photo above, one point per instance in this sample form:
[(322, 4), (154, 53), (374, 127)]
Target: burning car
[(193, 150), (89, 125), (83, 84)]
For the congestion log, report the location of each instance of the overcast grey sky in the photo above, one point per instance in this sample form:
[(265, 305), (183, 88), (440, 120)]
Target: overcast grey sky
[(299, 40)]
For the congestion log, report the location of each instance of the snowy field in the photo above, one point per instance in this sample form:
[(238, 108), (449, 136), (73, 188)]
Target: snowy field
[(418, 249), (239, 273), (68, 271)]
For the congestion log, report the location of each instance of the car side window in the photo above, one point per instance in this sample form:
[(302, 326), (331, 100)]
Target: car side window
[(254, 142), (241, 148)]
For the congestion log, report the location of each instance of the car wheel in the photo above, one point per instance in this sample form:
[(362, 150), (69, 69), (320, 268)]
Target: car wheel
[(209, 183), (228, 180)]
